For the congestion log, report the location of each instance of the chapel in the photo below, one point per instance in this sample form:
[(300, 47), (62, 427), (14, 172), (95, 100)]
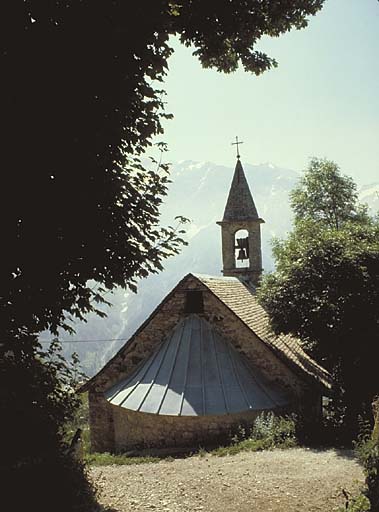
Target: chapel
[(206, 361)]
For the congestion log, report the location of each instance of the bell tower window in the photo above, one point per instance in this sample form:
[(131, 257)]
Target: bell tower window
[(241, 249)]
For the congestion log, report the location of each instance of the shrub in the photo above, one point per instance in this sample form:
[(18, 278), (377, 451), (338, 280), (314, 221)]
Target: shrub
[(278, 430), (368, 453), (37, 392), (367, 449), (267, 432), (359, 503)]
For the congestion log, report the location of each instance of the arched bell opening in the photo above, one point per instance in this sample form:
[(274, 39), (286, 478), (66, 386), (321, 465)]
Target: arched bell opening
[(241, 249)]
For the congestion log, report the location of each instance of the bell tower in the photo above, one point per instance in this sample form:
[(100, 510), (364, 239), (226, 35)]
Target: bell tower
[(241, 230)]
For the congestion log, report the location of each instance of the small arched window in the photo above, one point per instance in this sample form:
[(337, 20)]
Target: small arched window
[(241, 249)]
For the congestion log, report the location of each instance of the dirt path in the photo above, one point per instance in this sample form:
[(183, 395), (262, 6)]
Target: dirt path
[(281, 480)]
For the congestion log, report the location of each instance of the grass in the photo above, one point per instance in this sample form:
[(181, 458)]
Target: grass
[(251, 445), (109, 459)]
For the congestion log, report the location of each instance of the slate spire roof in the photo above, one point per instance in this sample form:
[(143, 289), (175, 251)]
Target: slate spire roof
[(240, 204)]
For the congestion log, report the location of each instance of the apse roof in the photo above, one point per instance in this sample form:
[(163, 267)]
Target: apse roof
[(240, 203), (242, 302), (195, 371)]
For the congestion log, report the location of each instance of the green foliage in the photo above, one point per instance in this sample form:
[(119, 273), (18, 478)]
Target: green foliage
[(367, 450), (324, 279), (325, 289), (368, 453), (324, 195), (371, 464), (78, 205), (79, 420), (278, 429), (202, 452), (357, 504), (109, 459), (268, 432), (37, 391)]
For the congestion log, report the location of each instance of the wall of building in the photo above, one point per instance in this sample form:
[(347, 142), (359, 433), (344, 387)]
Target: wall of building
[(114, 428), (228, 231), (101, 423), (139, 430)]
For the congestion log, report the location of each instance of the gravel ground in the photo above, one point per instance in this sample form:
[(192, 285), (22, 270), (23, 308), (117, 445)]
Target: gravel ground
[(280, 480)]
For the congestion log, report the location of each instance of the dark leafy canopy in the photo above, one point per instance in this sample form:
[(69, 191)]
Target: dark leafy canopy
[(81, 103), (326, 286), (37, 398)]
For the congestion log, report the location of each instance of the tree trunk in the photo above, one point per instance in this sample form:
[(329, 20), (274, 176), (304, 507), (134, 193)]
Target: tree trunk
[(375, 409)]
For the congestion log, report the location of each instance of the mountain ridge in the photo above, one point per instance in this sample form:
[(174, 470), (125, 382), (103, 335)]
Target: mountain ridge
[(198, 191)]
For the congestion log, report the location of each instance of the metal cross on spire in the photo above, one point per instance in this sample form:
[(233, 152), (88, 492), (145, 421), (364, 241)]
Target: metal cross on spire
[(236, 143)]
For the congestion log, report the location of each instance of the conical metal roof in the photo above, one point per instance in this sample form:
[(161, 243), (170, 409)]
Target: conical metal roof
[(196, 372), (240, 204)]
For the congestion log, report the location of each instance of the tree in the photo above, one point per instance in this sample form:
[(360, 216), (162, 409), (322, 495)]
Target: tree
[(81, 102), (324, 195), (325, 287)]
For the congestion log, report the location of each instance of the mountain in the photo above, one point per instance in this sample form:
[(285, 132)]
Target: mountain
[(198, 191), (369, 194)]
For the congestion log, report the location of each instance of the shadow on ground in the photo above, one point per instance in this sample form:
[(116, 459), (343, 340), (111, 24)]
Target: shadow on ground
[(345, 453)]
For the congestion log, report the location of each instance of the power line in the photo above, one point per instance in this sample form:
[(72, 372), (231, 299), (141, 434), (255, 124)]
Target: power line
[(83, 341)]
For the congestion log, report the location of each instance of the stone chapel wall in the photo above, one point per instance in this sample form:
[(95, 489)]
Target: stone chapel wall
[(113, 427), (136, 430)]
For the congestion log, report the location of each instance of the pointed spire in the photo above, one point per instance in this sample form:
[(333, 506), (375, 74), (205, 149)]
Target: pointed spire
[(240, 204)]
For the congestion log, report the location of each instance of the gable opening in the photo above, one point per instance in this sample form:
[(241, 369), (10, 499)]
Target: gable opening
[(194, 302)]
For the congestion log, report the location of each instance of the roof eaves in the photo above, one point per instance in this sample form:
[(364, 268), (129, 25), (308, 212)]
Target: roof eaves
[(324, 383)]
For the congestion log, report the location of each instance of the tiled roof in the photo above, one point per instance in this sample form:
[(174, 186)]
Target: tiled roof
[(239, 299)]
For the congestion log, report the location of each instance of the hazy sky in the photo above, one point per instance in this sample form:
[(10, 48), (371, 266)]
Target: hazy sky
[(322, 100)]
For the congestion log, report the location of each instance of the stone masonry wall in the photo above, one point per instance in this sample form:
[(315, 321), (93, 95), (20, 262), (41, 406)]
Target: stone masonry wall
[(135, 430), (228, 231), (112, 428), (101, 423)]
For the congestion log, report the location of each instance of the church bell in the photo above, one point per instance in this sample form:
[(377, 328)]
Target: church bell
[(242, 255), (243, 246)]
